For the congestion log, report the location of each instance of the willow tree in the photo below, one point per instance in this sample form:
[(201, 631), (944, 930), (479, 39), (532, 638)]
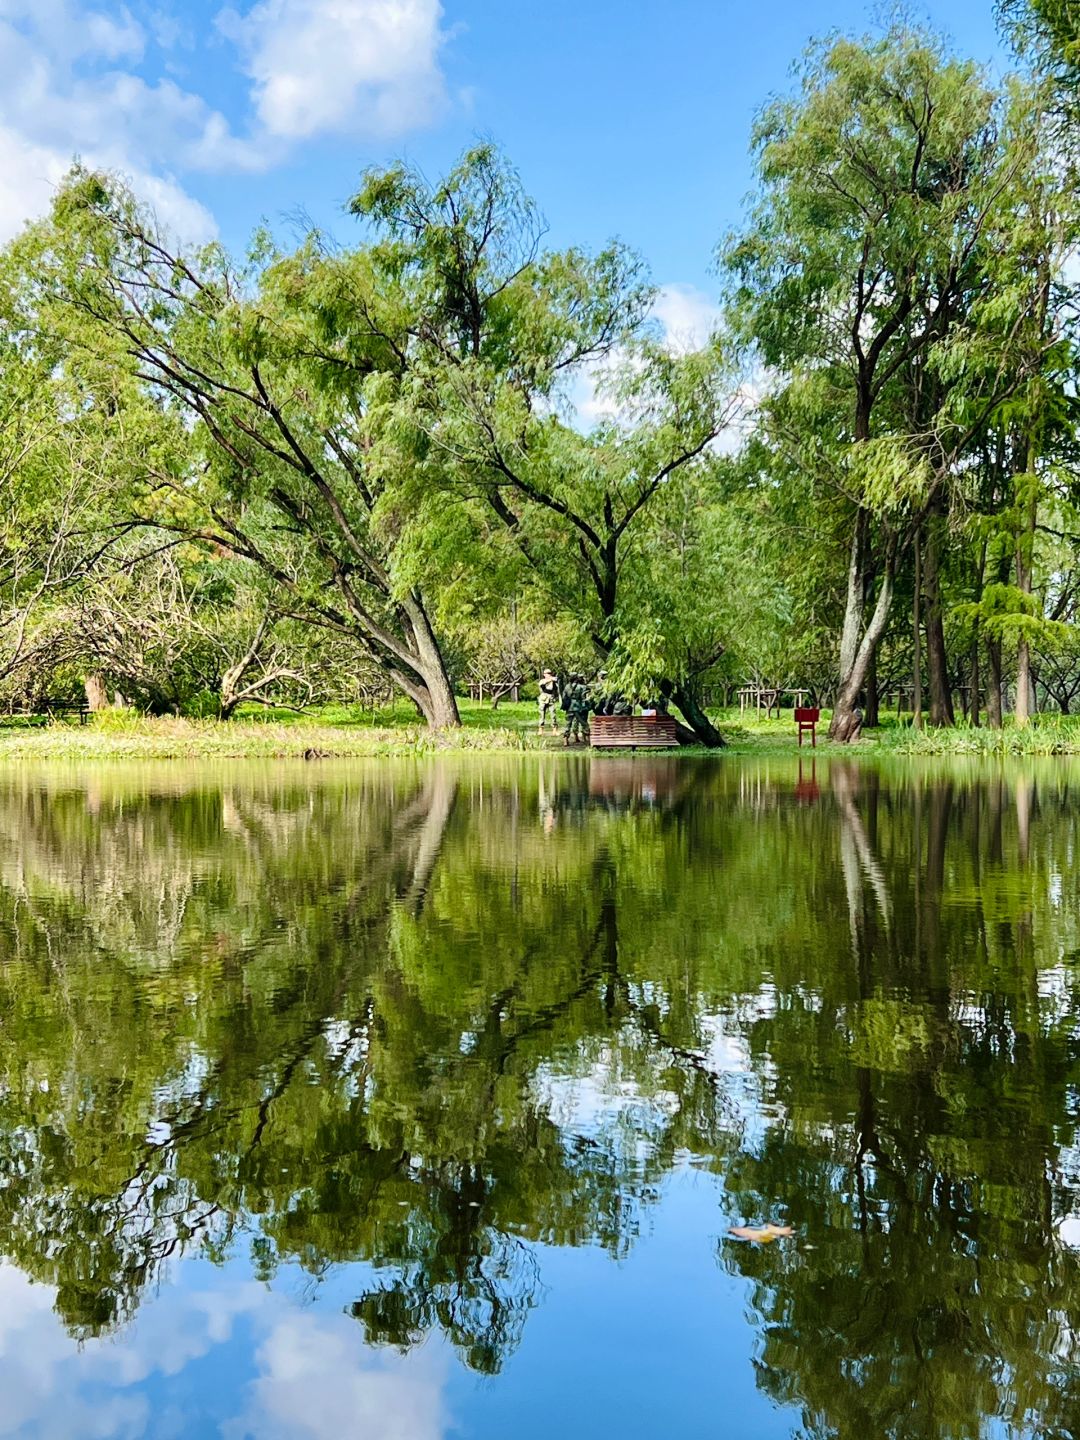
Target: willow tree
[(269, 368), (63, 458), (504, 333), (1047, 32), (869, 249)]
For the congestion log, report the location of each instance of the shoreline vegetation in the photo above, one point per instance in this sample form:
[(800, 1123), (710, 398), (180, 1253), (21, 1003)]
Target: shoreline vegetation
[(342, 732), (314, 471)]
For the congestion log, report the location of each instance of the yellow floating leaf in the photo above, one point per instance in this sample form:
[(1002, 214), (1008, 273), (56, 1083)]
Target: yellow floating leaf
[(761, 1235)]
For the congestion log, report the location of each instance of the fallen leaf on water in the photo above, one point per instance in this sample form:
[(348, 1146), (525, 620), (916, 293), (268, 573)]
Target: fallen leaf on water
[(761, 1235)]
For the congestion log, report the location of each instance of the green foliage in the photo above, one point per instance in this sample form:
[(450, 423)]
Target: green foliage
[(367, 457)]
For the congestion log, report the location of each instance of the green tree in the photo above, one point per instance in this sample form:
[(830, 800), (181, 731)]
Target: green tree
[(277, 364), (504, 332), (883, 187), (63, 457)]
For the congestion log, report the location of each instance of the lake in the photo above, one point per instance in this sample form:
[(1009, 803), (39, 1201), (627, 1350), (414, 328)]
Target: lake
[(416, 1100)]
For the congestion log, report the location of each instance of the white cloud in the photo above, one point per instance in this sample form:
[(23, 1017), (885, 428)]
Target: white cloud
[(686, 317), (62, 94), (58, 94), (315, 1378), (115, 39), (318, 1381), (72, 82), (352, 66), (29, 175), (73, 31), (36, 1363)]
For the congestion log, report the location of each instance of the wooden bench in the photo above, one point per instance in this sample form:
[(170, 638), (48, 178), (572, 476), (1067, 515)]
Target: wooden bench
[(51, 709), (632, 732), (69, 707), (806, 719)]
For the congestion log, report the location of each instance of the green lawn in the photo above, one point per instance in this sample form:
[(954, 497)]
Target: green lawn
[(343, 730)]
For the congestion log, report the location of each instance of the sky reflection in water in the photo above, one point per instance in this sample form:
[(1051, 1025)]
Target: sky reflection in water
[(415, 1101)]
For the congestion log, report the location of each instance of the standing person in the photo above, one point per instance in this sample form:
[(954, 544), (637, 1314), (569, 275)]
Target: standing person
[(548, 699), (577, 705), (601, 698)]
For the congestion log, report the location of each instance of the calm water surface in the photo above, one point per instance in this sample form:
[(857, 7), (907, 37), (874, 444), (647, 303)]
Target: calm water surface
[(415, 1101)]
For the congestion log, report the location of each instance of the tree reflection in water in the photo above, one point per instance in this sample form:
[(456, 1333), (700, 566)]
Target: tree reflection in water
[(428, 1017)]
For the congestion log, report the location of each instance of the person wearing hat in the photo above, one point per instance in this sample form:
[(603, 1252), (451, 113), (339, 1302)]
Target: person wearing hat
[(577, 703), (548, 700)]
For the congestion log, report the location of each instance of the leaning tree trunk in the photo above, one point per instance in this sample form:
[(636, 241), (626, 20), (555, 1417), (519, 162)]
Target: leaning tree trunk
[(420, 671), (846, 720), (872, 716), (699, 729)]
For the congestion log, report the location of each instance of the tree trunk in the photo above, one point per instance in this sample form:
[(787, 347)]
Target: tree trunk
[(941, 705), (1024, 556), (855, 604), (97, 697), (993, 690), (975, 677), (426, 682), (871, 718), (846, 721), (700, 729), (1023, 707), (916, 654)]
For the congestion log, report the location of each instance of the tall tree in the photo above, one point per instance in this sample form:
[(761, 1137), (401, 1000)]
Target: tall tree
[(64, 456), (1047, 32), (274, 365), (503, 334), (879, 186)]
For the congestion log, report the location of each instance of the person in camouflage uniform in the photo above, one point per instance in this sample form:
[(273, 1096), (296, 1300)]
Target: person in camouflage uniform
[(577, 704), (548, 699), (607, 701)]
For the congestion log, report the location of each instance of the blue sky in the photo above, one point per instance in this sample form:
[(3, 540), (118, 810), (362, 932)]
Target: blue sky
[(625, 117)]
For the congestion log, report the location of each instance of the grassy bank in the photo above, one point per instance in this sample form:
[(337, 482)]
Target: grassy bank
[(344, 732), (333, 732), (1046, 735), (125, 736)]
